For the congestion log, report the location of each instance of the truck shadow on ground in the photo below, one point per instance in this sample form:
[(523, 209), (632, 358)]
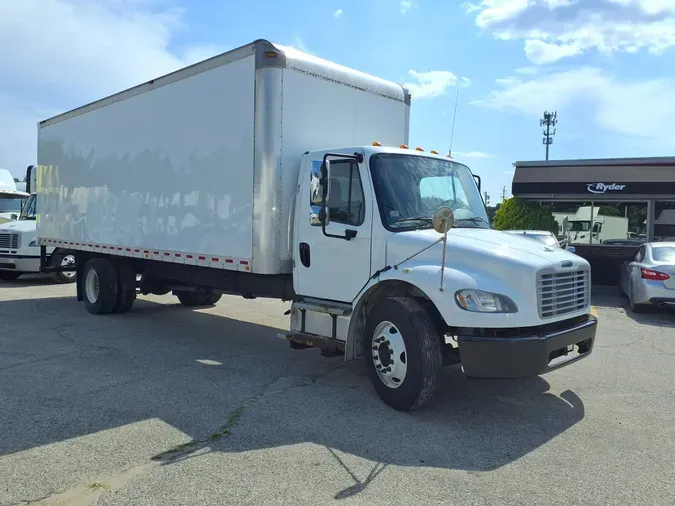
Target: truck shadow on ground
[(234, 386)]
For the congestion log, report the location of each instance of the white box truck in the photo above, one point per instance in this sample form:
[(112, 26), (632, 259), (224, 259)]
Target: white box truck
[(19, 248), (256, 173)]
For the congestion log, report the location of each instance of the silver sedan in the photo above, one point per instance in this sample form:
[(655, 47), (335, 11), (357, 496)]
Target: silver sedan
[(649, 278)]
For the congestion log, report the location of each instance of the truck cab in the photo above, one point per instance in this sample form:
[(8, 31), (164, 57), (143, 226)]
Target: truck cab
[(371, 265)]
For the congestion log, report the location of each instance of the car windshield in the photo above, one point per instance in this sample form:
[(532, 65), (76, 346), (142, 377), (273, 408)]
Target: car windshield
[(10, 205), (580, 226), (411, 188), (663, 253), (28, 212)]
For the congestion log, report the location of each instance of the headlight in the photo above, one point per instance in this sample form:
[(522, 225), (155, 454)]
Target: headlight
[(478, 301), (33, 243)]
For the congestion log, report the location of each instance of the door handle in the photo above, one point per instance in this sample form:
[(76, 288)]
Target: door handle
[(305, 258)]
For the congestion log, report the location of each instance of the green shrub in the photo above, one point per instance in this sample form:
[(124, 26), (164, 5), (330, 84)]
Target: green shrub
[(516, 214)]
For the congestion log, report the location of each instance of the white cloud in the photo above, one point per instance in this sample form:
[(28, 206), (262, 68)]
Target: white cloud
[(338, 14), (433, 83), (405, 5), (472, 154), (77, 51), (639, 109), (557, 29)]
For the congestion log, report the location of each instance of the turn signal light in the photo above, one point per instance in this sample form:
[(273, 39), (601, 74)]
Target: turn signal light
[(654, 275), (376, 144)]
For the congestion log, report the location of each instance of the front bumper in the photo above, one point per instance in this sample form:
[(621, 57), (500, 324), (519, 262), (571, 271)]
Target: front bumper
[(535, 351), (19, 263)]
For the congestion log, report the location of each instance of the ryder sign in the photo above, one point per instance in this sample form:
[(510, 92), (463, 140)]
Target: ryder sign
[(604, 188)]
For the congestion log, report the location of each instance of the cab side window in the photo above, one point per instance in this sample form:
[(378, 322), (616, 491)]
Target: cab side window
[(346, 202)]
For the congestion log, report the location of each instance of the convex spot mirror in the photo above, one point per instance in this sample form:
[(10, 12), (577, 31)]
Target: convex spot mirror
[(443, 220)]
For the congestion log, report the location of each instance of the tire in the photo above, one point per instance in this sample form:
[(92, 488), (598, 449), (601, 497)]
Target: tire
[(99, 286), (60, 259), (634, 308), (421, 362), (126, 287), (9, 275), (198, 298)]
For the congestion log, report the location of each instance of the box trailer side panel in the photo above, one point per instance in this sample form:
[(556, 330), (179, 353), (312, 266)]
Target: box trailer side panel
[(319, 113), (168, 169)]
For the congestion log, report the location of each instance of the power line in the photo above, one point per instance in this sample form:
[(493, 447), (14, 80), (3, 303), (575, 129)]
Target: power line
[(550, 120)]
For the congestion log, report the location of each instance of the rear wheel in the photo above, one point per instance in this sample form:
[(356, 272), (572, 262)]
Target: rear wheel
[(63, 260), (403, 353), (126, 287), (635, 308), (9, 275), (198, 298), (100, 286)]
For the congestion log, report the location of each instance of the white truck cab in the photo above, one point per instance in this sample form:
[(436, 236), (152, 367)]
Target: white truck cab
[(19, 248)]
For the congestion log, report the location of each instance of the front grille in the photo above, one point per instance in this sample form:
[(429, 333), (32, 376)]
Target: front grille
[(560, 293), (10, 241)]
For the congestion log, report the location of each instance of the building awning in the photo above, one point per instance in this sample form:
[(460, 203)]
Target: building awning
[(617, 179)]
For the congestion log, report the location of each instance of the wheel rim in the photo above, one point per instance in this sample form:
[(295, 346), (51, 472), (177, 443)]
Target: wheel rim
[(91, 286), (389, 354), (68, 261)]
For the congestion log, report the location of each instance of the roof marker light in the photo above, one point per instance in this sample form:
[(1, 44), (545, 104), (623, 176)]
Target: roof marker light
[(376, 144), (418, 149), (433, 152), (403, 146)]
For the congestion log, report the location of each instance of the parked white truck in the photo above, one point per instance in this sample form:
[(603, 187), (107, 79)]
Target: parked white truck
[(584, 230), (220, 178), (19, 249)]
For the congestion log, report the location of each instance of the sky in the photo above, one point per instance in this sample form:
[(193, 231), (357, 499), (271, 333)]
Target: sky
[(606, 66)]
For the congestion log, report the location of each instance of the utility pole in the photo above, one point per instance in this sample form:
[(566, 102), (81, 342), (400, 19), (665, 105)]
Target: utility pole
[(550, 120), (503, 194), (487, 197)]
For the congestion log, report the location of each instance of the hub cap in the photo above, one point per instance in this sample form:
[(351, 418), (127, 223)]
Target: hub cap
[(68, 261), (91, 286), (389, 354)]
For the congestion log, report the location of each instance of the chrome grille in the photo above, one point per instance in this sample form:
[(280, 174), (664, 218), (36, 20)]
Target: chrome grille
[(9, 241), (560, 293)]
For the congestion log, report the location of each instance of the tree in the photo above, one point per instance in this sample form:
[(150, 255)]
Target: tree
[(516, 214)]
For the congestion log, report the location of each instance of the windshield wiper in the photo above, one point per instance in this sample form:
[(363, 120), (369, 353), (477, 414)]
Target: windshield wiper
[(425, 219), (474, 219)]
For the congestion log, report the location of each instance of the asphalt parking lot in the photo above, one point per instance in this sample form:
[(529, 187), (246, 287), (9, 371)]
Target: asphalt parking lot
[(172, 406)]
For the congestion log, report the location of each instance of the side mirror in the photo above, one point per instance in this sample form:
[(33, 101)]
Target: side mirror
[(476, 178), (319, 193)]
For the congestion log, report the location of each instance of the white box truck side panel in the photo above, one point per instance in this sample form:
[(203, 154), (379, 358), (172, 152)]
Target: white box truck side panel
[(325, 114), (168, 169)]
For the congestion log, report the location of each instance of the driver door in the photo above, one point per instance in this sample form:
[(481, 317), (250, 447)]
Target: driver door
[(328, 266)]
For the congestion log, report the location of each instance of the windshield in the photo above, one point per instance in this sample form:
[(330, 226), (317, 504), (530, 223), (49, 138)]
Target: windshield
[(663, 253), (11, 205), (28, 212), (580, 226), (410, 188)]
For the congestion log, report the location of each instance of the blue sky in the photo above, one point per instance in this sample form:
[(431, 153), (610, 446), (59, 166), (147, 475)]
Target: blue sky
[(605, 65)]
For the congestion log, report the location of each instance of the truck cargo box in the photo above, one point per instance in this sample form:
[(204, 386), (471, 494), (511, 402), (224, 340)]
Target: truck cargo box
[(200, 166)]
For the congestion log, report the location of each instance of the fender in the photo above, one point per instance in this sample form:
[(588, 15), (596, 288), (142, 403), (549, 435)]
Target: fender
[(423, 280)]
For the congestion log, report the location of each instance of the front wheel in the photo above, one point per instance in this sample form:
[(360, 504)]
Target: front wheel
[(60, 260), (403, 353)]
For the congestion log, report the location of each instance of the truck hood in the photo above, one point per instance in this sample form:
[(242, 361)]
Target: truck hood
[(19, 226), (499, 246)]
